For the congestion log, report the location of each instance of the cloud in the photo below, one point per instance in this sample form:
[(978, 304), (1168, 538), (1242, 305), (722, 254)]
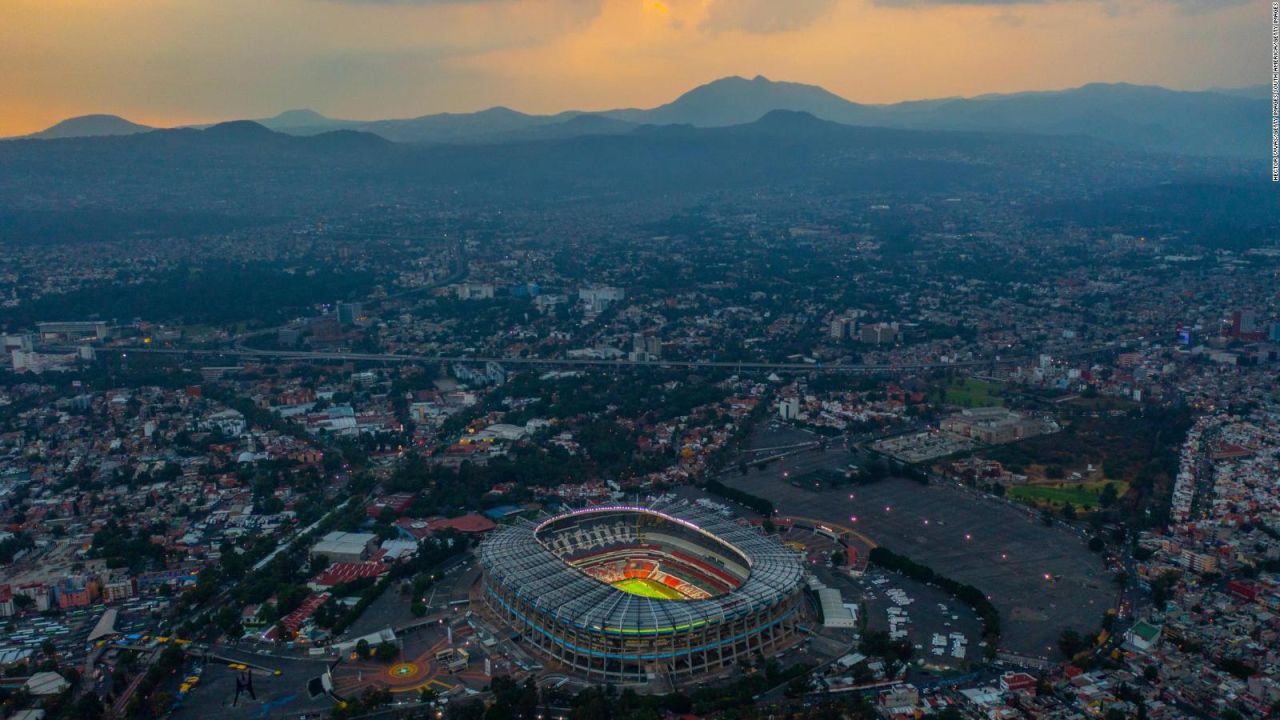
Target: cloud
[(1188, 6), (763, 16), (1009, 18), (421, 2), (1199, 6)]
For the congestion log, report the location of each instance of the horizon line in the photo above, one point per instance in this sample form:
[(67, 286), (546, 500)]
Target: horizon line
[(209, 123)]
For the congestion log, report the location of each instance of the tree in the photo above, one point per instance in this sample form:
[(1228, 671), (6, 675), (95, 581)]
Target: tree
[(1068, 512), (1108, 496), (1096, 544), (160, 703), (1070, 642), (362, 649), (88, 707), (798, 686), (387, 651)]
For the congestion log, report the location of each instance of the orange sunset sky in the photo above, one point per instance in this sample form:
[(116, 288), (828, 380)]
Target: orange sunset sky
[(166, 62)]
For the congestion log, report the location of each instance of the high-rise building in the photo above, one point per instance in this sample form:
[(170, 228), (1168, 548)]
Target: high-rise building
[(349, 313), (598, 298), (789, 408), (474, 291), (1245, 324), (877, 333), (839, 328), (645, 347)]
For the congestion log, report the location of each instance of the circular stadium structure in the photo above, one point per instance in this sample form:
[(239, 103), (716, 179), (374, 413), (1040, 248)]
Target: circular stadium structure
[(626, 593)]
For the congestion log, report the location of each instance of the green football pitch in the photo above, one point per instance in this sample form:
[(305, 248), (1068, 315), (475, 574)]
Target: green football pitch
[(648, 588)]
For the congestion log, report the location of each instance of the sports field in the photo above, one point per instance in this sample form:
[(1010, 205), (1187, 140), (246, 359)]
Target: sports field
[(972, 392), (648, 588), (1081, 494)]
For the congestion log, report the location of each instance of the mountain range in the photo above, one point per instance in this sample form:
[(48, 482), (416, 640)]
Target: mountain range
[(1228, 122), (190, 182)]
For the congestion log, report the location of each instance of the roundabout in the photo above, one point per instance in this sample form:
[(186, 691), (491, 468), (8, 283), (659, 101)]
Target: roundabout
[(415, 670), (403, 670)]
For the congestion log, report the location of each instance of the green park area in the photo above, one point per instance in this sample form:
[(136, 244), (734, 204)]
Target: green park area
[(971, 392), (1080, 494)]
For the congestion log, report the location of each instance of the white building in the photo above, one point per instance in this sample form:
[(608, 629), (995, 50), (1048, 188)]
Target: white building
[(598, 298), (789, 408), (475, 291), (344, 546)]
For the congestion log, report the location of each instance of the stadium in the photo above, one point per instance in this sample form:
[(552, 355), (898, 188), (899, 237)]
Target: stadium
[(625, 593)]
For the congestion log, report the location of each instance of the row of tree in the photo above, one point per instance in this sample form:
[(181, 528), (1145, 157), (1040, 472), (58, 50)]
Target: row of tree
[(757, 504), (968, 594)]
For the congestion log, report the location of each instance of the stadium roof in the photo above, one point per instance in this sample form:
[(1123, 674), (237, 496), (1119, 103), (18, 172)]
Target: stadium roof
[(514, 557)]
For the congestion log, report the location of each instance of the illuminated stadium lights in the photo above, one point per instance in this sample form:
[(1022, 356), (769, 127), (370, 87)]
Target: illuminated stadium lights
[(629, 593)]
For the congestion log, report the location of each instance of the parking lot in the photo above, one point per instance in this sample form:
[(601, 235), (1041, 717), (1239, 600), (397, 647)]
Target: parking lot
[(1041, 579), (922, 614)]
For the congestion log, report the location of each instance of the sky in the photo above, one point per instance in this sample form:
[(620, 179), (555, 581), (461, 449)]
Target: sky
[(169, 62)]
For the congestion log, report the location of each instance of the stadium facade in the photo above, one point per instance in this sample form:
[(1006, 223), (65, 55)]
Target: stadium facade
[(629, 593)]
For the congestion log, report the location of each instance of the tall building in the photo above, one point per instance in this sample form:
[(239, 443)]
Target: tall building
[(789, 408), (598, 298), (878, 333), (474, 291), (845, 326), (1244, 324), (645, 347), (349, 313)]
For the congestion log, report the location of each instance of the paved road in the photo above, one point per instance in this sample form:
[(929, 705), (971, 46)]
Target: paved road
[(243, 352)]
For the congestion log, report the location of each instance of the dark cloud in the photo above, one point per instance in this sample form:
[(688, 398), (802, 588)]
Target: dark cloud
[(764, 16), (1190, 6)]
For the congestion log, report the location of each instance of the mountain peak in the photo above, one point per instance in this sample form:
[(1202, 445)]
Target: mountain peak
[(791, 121), (91, 126), (735, 100), (238, 130), (501, 111), (302, 116), (794, 117)]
